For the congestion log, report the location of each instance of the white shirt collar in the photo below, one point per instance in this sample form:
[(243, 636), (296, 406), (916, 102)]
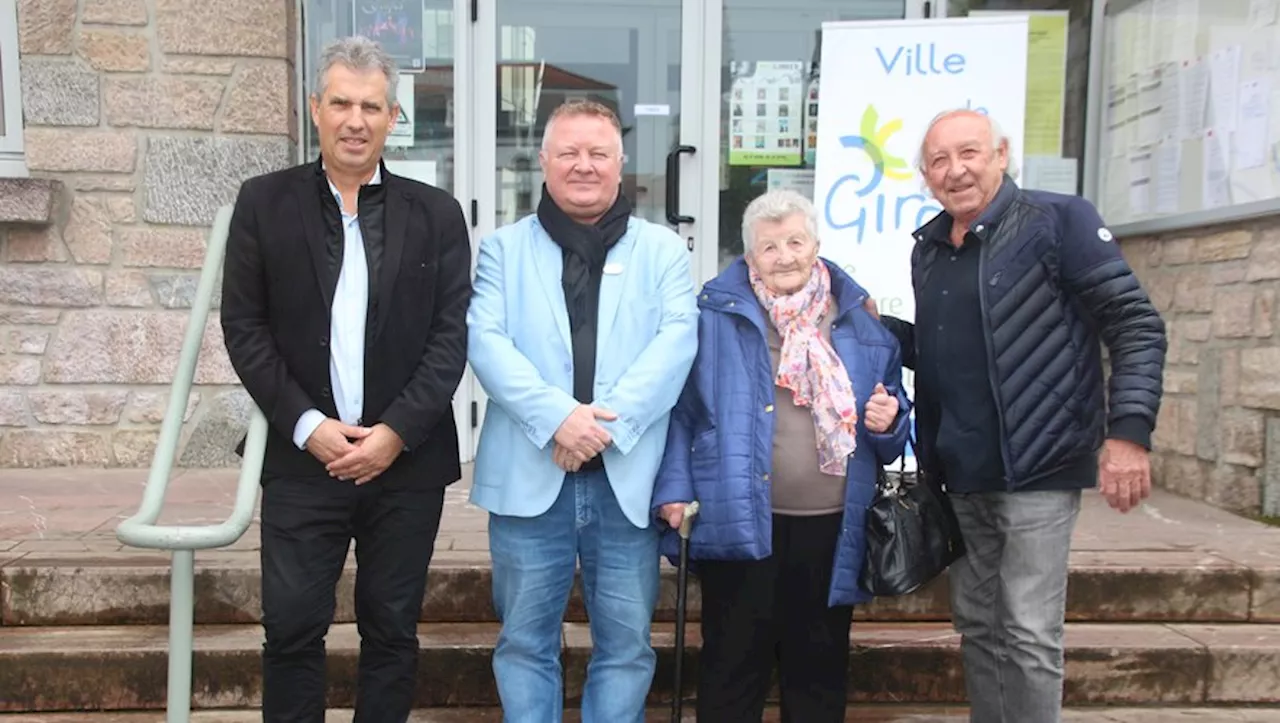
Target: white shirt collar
[(376, 180)]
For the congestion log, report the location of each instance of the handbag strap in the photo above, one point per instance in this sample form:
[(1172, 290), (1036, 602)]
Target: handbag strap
[(902, 460)]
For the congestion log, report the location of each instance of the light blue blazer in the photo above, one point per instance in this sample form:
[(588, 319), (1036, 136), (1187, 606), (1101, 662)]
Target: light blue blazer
[(519, 348)]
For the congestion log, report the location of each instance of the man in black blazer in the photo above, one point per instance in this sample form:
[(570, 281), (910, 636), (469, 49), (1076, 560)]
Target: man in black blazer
[(344, 306)]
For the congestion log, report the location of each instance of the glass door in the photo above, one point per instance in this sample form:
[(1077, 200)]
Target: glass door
[(419, 35), (630, 55), (432, 142), (764, 112), (642, 58)]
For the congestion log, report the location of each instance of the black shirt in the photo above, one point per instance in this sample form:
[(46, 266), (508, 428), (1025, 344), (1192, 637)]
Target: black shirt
[(953, 369)]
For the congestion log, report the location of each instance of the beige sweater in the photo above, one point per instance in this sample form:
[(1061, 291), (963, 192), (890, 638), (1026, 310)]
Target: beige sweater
[(799, 487)]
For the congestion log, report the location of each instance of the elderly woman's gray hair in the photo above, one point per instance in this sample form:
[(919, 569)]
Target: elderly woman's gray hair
[(998, 136), (360, 54), (777, 205)]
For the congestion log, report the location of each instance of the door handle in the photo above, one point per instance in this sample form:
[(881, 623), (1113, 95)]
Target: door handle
[(673, 185)]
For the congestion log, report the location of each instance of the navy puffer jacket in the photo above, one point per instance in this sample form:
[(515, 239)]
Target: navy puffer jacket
[(1053, 285)]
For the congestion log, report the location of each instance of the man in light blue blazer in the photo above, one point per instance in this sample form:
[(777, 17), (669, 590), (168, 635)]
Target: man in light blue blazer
[(582, 329)]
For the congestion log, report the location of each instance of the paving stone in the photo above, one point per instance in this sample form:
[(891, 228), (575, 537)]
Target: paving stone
[(58, 92), (114, 12), (128, 289), (77, 407), (131, 347), (34, 245), (259, 100), (199, 66), (219, 428), (1224, 246), (1134, 664), (53, 448), (245, 27), (62, 149), (154, 246), (115, 51), (662, 714), (50, 286), (917, 663), (188, 179), (44, 26), (1245, 660), (166, 102)]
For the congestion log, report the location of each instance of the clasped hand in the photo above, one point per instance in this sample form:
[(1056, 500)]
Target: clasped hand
[(580, 437), (354, 453)]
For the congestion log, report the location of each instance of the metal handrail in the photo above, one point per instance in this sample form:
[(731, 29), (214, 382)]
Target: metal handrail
[(141, 530)]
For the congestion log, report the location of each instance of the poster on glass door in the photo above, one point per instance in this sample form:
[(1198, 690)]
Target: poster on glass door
[(811, 122), (396, 25), (766, 106)]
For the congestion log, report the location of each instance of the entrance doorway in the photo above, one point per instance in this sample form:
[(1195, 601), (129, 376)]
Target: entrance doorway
[(482, 76)]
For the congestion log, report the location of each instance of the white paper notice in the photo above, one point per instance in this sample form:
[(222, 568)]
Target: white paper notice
[(421, 171), (1193, 98), (1170, 102), (401, 136), (1116, 129), (1050, 173), (1140, 183), (1262, 12), (653, 109), (1215, 189), (1163, 24), (1149, 115), (1273, 119), (1143, 47), (1251, 130), (1186, 23), (1224, 84), (1167, 176), (794, 179)]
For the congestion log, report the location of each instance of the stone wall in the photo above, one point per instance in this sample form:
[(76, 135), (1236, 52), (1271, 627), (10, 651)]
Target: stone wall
[(150, 113), (1218, 434)]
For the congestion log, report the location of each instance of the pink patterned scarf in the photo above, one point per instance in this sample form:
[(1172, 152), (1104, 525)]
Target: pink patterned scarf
[(809, 367)]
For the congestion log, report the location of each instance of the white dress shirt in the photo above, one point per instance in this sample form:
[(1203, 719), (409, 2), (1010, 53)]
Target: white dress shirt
[(346, 328)]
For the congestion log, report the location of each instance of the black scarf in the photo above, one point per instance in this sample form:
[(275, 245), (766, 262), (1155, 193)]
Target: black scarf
[(585, 248)]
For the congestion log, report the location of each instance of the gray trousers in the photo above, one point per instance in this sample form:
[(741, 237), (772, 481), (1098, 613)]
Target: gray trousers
[(1008, 601)]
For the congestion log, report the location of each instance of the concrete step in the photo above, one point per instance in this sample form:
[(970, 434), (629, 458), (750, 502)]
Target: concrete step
[(123, 667), (133, 588), (856, 714)]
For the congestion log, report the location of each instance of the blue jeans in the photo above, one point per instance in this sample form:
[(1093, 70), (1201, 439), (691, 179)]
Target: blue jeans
[(533, 566)]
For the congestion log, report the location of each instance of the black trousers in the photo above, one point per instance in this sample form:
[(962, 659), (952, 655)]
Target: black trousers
[(307, 528), (758, 612)]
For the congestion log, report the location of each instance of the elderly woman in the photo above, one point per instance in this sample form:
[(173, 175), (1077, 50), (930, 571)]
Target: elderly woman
[(793, 403)]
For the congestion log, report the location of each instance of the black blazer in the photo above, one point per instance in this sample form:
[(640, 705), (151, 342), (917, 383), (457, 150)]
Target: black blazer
[(277, 288)]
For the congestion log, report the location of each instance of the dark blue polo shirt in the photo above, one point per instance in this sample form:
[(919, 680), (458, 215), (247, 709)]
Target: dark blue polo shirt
[(955, 373)]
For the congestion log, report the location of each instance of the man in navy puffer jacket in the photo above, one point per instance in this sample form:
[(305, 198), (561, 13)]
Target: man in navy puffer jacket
[(1014, 292)]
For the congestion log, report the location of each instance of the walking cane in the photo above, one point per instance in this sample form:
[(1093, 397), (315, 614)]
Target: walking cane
[(682, 590)]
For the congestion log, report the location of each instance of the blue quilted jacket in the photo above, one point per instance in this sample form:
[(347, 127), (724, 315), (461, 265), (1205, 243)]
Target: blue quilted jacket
[(720, 442)]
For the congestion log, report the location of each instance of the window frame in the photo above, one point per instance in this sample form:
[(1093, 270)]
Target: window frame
[(12, 160)]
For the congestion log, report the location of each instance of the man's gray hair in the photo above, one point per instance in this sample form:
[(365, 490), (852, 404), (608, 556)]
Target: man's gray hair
[(997, 137), (360, 54), (777, 205)]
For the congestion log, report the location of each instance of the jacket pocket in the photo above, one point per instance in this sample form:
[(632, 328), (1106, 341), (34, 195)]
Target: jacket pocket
[(704, 460)]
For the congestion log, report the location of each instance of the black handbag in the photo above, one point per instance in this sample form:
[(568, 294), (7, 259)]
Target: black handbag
[(912, 534)]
